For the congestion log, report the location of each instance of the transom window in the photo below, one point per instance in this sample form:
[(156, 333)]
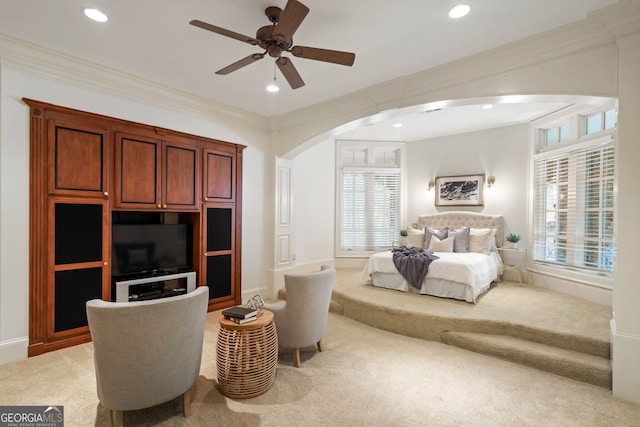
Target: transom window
[(600, 121), (556, 134)]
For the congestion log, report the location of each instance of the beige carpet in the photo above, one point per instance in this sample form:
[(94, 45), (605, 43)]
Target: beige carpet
[(536, 327), (364, 377), (506, 302)]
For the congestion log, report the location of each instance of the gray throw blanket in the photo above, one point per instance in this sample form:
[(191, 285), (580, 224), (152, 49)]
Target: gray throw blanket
[(413, 264)]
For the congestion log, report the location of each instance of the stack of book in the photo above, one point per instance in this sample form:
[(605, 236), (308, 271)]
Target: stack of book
[(240, 314)]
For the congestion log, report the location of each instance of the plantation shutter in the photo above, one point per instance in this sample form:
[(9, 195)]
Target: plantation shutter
[(573, 206), (370, 208)]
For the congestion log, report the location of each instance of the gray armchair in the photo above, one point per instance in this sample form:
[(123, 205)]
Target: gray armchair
[(147, 352), (301, 319)]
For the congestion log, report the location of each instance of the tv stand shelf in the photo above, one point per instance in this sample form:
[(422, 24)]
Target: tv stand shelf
[(154, 286)]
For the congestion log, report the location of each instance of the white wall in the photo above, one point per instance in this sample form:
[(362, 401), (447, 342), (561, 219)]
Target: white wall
[(501, 152), (14, 185), (314, 204)]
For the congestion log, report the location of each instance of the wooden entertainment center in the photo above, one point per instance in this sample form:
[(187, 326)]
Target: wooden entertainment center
[(88, 171)]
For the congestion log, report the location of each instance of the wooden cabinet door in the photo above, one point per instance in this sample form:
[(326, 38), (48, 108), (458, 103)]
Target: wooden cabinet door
[(152, 174), (219, 168), (137, 172), (180, 176), (78, 159), (79, 253)]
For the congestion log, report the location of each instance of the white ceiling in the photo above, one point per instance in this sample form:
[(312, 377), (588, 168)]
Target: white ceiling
[(151, 39)]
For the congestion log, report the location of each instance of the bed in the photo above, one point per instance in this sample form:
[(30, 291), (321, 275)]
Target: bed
[(458, 275)]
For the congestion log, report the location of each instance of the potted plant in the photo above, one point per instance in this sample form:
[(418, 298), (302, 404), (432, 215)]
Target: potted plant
[(513, 239), (404, 233)]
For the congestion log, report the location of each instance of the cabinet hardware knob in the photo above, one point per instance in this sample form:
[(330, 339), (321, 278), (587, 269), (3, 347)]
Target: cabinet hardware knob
[(106, 263), (164, 206), (206, 198), (159, 206), (106, 193)]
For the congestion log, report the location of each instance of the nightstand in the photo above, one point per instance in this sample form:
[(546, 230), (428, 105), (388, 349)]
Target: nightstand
[(512, 259)]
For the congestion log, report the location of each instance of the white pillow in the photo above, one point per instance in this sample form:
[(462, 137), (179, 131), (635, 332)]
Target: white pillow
[(444, 245), (440, 234), (415, 238), (481, 240)]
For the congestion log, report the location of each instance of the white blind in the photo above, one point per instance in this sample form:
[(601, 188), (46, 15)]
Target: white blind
[(370, 209), (573, 206)]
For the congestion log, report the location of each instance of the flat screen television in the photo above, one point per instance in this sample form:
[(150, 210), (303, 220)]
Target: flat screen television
[(150, 248)]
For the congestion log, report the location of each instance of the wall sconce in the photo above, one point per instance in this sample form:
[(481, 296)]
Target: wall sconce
[(432, 184), (490, 181)]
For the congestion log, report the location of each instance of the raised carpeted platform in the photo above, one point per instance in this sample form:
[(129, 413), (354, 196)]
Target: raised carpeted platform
[(532, 326)]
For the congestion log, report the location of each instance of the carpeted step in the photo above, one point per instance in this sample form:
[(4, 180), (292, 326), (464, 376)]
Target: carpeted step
[(572, 364)]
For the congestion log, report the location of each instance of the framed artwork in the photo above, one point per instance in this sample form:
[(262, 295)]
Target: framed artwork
[(464, 190)]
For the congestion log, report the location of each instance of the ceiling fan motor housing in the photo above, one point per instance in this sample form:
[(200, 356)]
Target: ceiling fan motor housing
[(274, 44)]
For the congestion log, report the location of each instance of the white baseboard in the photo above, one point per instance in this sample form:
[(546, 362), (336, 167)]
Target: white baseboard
[(351, 262), (578, 289), (13, 350), (624, 364), (263, 291)]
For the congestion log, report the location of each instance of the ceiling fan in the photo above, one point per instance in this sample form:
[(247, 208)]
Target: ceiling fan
[(276, 39)]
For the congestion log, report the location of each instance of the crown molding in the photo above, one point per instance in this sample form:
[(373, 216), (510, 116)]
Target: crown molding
[(621, 19), (45, 63)]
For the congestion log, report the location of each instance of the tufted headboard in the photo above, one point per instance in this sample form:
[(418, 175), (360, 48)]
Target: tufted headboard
[(459, 219)]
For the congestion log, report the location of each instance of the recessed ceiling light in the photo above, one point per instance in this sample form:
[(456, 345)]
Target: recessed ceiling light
[(487, 106), (397, 125), (459, 11), (95, 14)]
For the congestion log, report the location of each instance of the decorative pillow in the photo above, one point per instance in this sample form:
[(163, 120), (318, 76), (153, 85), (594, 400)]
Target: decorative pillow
[(415, 239), (481, 240), (437, 245), (460, 239), (428, 232)]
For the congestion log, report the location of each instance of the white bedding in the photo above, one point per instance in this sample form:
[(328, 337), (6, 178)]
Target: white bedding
[(463, 276)]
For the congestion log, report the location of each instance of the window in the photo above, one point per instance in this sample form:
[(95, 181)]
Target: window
[(370, 180), (600, 121), (574, 199), (555, 135)]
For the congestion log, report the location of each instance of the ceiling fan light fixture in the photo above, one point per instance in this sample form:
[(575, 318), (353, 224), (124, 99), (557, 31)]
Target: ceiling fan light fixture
[(459, 11), (95, 15)]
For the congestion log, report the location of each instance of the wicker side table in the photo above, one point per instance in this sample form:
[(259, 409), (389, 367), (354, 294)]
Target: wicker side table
[(246, 356)]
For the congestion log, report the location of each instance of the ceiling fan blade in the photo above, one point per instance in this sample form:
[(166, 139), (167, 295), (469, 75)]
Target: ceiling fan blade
[(224, 32), (289, 72), (326, 55), (239, 64), (291, 18)]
